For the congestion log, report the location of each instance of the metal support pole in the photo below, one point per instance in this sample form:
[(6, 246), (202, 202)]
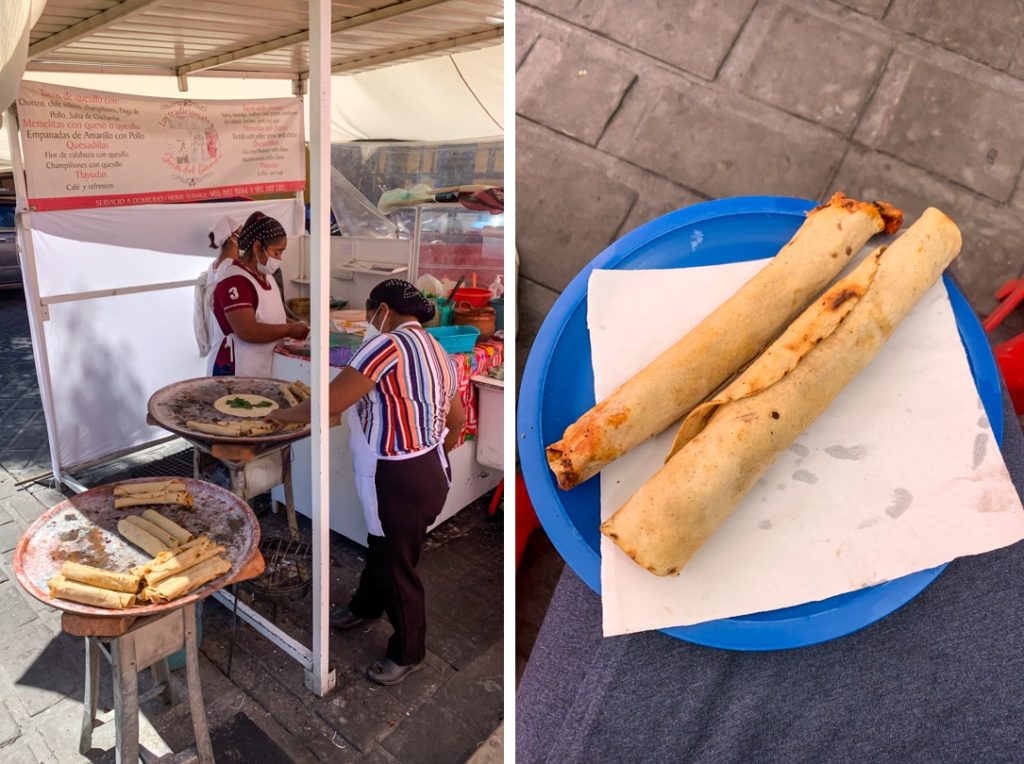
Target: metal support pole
[(320, 679), (37, 312), (414, 254)]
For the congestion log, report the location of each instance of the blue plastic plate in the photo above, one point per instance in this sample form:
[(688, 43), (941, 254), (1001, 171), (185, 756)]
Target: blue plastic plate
[(558, 386)]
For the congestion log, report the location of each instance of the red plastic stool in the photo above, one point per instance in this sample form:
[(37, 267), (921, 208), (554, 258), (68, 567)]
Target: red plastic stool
[(526, 518), (492, 510), (1010, 354)]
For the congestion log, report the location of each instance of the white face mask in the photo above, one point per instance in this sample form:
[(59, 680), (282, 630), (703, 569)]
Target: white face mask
[(270, 267), (371, 330)]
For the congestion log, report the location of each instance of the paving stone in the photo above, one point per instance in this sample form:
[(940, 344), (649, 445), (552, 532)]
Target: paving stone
[(379, 755), (361, 711), (573, 87), (564, 8), (7, 489), (988, 32), (788, 49), (876, 8), (10, 532), (9, 729), (19, 753), (694, 36), (527, 33), (42, 667), (14, 605), (463, 709), (714, 142), (956, 124), (25, 506), (250, 673), (561, 226), (991, 253)]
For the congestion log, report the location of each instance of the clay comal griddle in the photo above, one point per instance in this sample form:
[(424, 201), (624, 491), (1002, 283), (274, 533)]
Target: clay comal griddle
[(173, 406), (84, 529)]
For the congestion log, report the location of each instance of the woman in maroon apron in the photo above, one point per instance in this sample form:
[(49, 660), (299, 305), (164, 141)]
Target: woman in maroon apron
[(247, 306)]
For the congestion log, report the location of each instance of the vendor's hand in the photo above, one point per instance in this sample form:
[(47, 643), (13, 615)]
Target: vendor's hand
[(297, 330), (277, 418)]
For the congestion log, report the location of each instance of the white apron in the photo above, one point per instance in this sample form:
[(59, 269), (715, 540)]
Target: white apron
[(254, 359), (216, 336), (364, 468)]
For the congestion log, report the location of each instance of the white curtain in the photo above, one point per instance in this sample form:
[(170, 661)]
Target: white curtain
[(107, 355)]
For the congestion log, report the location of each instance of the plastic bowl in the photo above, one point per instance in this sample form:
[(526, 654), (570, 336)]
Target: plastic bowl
[(456, 339), (475, 296)]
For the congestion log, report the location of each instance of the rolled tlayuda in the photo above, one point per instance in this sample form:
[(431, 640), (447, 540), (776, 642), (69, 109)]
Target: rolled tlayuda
[(705, 358), (726, 443)]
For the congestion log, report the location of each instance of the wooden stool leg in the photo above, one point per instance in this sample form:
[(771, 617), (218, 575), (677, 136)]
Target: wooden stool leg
[(195, 689), (289, 497), (161, 672), (92, 690), (126, 699)]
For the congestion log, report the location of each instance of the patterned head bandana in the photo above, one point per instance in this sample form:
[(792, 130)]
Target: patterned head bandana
[(403, 298), (261, 228)]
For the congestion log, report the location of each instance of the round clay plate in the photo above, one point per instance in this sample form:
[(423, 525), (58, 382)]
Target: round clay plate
[(84, 529), (172, 407)]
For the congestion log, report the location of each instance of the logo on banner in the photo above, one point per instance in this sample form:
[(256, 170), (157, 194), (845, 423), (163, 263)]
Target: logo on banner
[(194, 145)]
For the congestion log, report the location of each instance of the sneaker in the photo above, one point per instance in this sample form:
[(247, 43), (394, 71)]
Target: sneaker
[(343, 619), (387, 672)]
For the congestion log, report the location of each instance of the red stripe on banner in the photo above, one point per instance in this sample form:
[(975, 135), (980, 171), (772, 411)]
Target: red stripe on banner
[(162, 197)]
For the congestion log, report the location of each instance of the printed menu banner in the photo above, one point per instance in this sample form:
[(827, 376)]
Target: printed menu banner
[(87, 148)]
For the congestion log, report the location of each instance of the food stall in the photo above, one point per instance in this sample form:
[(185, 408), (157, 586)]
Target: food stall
[(470, 478), (110, 267), (358, 263)]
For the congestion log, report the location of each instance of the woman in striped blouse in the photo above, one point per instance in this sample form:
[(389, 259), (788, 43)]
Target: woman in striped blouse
[(407, 418)]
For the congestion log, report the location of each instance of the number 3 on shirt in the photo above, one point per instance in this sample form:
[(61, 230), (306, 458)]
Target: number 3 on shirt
[(233, 293)]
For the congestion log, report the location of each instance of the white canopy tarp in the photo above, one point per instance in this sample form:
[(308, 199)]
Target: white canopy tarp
[(107, 355), (450, 98)]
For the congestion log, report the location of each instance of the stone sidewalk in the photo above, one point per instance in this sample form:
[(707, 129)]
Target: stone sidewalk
[(626, 110)]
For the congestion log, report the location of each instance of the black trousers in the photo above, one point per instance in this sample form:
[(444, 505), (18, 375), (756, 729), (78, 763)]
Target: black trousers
[(410, 495)]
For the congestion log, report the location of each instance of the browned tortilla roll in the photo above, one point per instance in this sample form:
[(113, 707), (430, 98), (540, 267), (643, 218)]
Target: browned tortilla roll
[(104, 579), (181, 562), (702, 360), (180, 535), (727, 443), (182, 498), (233, 429), (189, 580), (165, 538), (140, 538), (149, 489), (74, 591), (289, 396)]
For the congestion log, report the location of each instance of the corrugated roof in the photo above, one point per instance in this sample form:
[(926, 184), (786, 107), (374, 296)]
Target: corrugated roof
[(240, 37)]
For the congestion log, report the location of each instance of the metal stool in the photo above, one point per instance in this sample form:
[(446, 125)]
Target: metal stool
[(131, 646)]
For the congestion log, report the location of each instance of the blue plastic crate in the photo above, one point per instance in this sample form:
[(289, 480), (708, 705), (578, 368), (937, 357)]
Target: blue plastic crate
[(455, 339)]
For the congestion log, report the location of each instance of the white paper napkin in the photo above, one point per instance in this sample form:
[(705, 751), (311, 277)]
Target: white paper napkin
[(900, 474)]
